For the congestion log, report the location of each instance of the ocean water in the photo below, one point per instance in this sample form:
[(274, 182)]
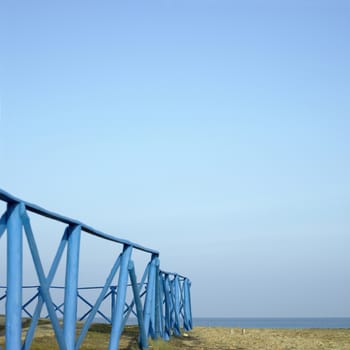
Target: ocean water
[(262, 322), (306, 322)]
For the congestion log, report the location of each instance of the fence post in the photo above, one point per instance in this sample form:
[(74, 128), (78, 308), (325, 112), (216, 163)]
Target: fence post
[(113, 294), (157, 304), (71, 287), (14, 278), (143, 341), (168, 307), (176, 291), (118, 312), (187, 305), (149, 302)]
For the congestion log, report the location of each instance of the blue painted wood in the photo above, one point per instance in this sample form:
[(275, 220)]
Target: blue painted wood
[(113, 298), (168, 307), (98, 302), (150, 296), (161, 305), (3, 296), (71, 284), (165, 296), (85, 301), (13, 322), (3, 220), (143, 342), (30, 333), (87, 313), (117, 317), (27, 303), (187, 305), (50, 277), (156, 304), (176, 291), (86, 228), (128, 309), (44, 286)]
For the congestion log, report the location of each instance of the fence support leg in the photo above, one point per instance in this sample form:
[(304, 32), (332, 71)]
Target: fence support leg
[(71, 287), (143, 341), (176, 289), (149, 302), (156, 305), (113, 294), (14, 278), (187, 306), (117, 317), (168, 307), (160, 306)]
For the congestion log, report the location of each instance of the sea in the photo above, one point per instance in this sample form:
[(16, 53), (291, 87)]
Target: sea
[(261, 322), (265, 322)]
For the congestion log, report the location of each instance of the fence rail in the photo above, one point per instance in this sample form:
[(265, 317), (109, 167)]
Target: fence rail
[(160, 300)]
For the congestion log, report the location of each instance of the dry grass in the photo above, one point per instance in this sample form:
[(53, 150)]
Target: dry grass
[(274, 339), (204, 338)]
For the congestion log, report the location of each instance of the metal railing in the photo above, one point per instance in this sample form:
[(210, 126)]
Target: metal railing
[(160, 301)]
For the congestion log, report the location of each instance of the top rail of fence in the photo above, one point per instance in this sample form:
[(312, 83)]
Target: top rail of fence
[(9, 198)]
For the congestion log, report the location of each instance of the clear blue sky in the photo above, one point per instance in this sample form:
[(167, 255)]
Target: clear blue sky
[(214, 131)]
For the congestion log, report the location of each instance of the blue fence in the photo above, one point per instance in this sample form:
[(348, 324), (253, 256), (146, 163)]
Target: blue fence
[(160, 301)]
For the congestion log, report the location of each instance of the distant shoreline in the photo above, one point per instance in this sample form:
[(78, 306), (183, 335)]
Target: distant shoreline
[(257, 322), (273, 322)]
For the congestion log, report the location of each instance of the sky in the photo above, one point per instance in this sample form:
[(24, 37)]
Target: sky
[(216, 132)]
